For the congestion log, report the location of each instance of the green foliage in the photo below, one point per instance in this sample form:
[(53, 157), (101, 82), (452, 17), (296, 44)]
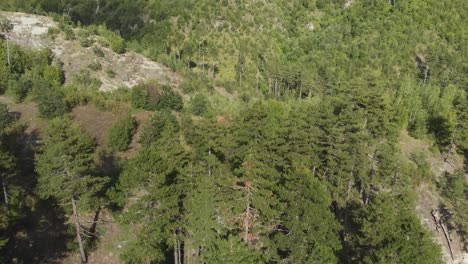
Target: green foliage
[(149, 96), (313, 174), (454, 189), (54, 75), (66, 164), (389, 233), (98, 51), (50, 101), (5, 118), (170, 100), (53, 31), (139, 98), (161, 122), (110, 73), (199, 105), (120, 134), (69, 34), (95, 66), (232, 250), (194, 82), (19, 89), (111, 39), (313, 237), (17, 197)]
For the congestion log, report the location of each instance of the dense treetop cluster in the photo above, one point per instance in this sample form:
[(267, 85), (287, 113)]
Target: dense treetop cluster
[(300, 163)]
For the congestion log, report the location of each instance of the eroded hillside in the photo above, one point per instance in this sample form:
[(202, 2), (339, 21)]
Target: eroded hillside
[(112, 69)]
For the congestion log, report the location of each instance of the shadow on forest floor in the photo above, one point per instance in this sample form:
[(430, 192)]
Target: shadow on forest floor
[(43, 236)]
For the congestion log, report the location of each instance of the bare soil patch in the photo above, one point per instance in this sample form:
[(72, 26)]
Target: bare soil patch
[(429, 198), (96, 122), (27, 112)]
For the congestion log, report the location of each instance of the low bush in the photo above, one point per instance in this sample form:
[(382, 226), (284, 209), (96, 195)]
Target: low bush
[(98, 52), (111, 39), (120, 134), (19, 89), (170, 100), (95, 66), (52, 104), (199, 105), (160, 122)]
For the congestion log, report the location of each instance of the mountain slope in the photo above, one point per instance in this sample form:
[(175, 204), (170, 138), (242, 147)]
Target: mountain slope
[(113, 70)]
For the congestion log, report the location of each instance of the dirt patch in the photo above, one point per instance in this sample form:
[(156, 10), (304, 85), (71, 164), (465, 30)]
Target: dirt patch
[(435, 159), (110, 240), (27, 112), (117, 70), (428, 200), (96, 122), (142, 119)]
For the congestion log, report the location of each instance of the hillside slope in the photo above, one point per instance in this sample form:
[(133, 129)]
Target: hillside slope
[(115, 70)]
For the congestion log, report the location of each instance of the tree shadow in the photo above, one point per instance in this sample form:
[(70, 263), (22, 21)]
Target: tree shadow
[(43, 236), (91, 234)]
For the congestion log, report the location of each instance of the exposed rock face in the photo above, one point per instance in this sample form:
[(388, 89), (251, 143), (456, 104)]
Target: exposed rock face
[(29, 30), (117, 70)]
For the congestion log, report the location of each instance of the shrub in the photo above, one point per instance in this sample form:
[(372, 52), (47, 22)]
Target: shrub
[(160, 122), (53, 31), (120, 134), (84, 79), (5, 117), (69, 34), (194, 82), (86, 42), (50, 100), (5, 75), (19, 89), (98, 52), (139, 97), (111, 39), (170, 100), (199, 105), (95, 66), (110, 73), (54, 75), (83, 36)]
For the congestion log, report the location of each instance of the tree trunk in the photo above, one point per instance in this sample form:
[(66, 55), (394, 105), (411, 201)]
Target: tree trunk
[(452, 142), (8, 50), (247, 215), (177, 256), (240, 77), (97, 8), (447, 237), (5, 191), (300, 91), (210, 172), (203, 62), (179, 251), (257, 80), (78, 230)]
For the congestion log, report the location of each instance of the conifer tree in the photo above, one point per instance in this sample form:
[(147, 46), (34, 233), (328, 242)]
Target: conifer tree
[(310, 227), (389, 233), (65, 167)]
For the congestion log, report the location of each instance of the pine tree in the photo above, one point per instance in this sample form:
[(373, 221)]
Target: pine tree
[(158, 173), (388, 232), (65, 167), (310, 227)]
